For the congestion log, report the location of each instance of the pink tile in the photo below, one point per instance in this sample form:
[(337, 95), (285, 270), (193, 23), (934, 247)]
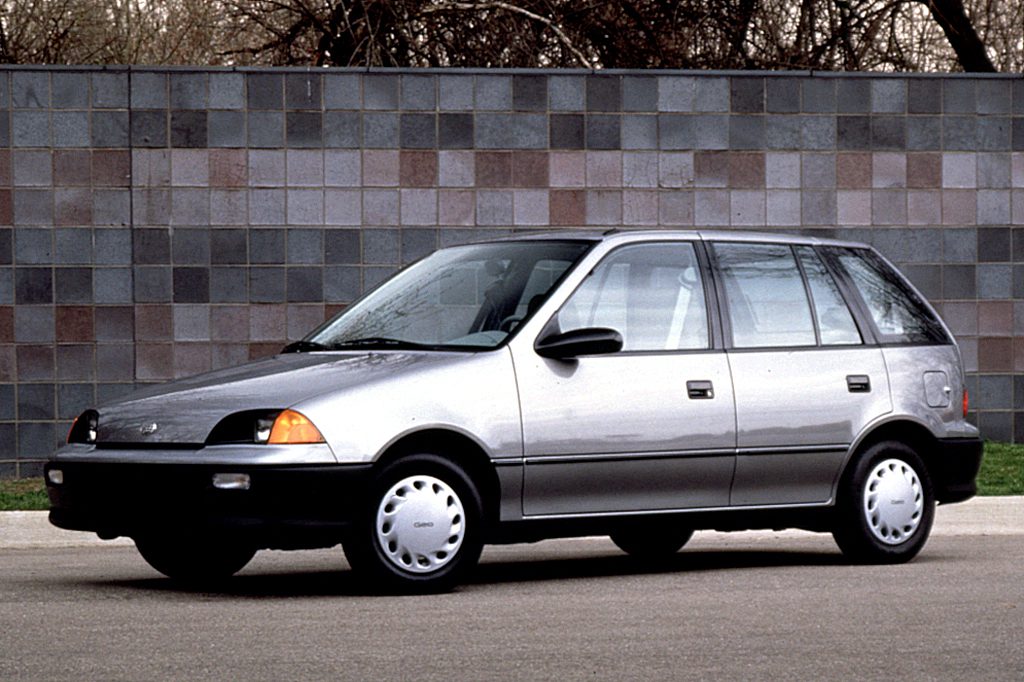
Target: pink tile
[(853, 170), (747, 207), (228, 354), (1017, 169), (924, 170), (266, 168), (1017, 207), (530, 206), (995, 318), (888, 207), (853, 207), (604, 207), (380, 206), (676, 208), (530, 169), (343, 207), (924, 207), (189, 167), (746, 170), (639, 207), (456, 169), (154, 361), (640, 169), (111, 168), (783, 207), (72, 206), (782, 170), (228, 168), (305, 167), (229, 323), (679, 169), (5, 166), (568, 169), (567, 207), (418, 168), (493, 169), (456, 207), (343, 168), (419, 206), (959, 170), (267, 322), (959, 207), (711, 207), (888, 170), (70, 167), (604, 169), (154, 323), (191, 359), (380, 168), (151, 167)]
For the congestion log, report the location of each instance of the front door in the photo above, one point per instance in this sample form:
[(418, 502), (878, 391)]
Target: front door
[(648, 428)]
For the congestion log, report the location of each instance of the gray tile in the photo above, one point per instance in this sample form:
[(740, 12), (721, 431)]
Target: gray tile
[(109, 129), (303, 91), (783, 132), (455, 131), (30, 128), (1018, 96), (640, 132), (5, 100), (641, 93), (746, 132), (5, 129), (36, 401), (995, 96), (993, 171), (853, 132), (72, 285), (675, 131), (566, 131), (908, 245), (782, 95), (994, 244), (149, 128), (567, 93), (418, 131), (225, 128), (853, 95), (342, 129), (341, 284), (888, 132), (188, 129), (188, 90), (342, 247), (190, 246), (959, 133), (381, 247), (380, 131), (511, 131), (493, 93), (304, 129), (30, 89), (418, 93), (958, 282), (33, 246), (34, 324), (229, 246), (6, 286), (711, 94), (227, 91), (72, 399), (818, 95), (818, 171), (889, 95), (33, 285), (529, 93), (416, 243), (604, 93), (265, 129), (674, 93), (6, 245), (112, 285), (70, 90), (746, 95), (455, 92), (229, 285), (109, 90), (958, 96), (113, 246), (32, 168), (33, 207), (710, 130), (818, 132), (924, 133), (265, 90), (7, 404), (70, 128), (73, 246), (191, 285), (111, 207), (818, 207), (494, 207), (152, 246), (267, 207), (148, 90), (267, 285), (603, 131), (305, 285), (342, 91), (114, 323), (267, 246), (995, 392), (380, 91), (305, 247), (924, 95), (993, 133), (153, 284), (36, 440), (995, 281), (1017, 135)]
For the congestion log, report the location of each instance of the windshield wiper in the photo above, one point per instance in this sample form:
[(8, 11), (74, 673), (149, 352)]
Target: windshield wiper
[(304, 347), (380, 341)]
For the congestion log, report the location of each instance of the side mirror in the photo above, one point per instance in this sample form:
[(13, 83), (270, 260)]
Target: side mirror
[(572, 344)]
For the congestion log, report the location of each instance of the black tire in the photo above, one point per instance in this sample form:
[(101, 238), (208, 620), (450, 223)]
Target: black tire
[(420, 528), (651, 542), (194, 558), (885, 505)]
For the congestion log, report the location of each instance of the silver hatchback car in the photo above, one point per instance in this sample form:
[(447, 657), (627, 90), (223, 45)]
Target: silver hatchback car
[(640, 385)]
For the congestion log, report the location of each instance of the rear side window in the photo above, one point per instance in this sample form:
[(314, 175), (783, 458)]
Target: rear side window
[(835, 323), (899, 314)]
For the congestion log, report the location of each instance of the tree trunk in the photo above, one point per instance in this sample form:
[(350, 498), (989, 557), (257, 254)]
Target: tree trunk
[(962, 37)]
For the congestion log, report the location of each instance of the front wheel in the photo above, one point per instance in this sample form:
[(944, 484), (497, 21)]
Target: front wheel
[(420, 529), (885, 507), (194, 558)]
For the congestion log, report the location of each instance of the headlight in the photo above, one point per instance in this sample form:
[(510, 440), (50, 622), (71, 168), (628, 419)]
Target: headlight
[(265, 426), (83, 430)]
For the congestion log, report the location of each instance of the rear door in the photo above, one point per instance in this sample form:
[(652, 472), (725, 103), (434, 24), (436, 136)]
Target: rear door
[(805, 381)]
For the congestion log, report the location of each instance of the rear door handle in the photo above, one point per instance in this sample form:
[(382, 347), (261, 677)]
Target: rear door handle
[(858, 383), (700, 390)]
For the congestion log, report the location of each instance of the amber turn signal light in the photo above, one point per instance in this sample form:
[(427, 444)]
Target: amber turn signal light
[(291, 427)]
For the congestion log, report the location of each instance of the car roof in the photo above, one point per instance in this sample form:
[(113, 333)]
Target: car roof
[(629, 236)]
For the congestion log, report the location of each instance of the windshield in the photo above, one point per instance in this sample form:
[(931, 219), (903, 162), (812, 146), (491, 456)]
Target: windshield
[(463, 297)]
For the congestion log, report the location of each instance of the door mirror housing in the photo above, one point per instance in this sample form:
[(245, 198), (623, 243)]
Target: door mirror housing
[(578, 342)]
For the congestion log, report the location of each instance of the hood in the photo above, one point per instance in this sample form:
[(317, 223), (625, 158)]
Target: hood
[(185, 411)]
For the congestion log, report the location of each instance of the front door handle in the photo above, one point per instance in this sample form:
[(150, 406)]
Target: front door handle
[(858, 383), (700, 390)]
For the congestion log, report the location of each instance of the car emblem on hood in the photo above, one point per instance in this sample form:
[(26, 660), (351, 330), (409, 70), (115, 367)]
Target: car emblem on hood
[(148, 429)]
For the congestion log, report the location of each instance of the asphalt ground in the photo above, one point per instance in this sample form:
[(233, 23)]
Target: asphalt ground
[(730, 606)]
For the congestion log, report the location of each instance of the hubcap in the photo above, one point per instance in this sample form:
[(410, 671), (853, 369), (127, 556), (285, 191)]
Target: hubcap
[(420, 524), (893, 501)]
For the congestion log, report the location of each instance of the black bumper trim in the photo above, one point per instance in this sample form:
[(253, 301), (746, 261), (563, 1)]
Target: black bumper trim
[(955, 468)]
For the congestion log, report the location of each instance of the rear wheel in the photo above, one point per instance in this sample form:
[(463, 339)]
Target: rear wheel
[(885, 506), (420, 529), (651, 542), (194, 557)]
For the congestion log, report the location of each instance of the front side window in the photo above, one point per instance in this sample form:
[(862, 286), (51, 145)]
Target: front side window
[(467, 296), (652, 294), (766, 298), (899, 314)]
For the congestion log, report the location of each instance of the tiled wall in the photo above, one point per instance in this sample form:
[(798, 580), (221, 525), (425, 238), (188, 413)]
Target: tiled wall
[(158, 223)]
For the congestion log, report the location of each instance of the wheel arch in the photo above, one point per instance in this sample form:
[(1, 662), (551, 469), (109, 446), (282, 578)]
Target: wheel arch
[(459, 449), (913, 434)]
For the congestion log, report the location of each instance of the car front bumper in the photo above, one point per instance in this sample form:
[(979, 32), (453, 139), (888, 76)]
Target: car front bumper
[(285, 506), (955, 468)]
